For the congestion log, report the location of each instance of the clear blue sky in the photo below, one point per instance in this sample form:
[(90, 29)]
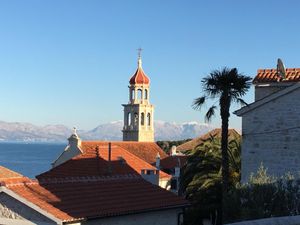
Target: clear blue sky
[(69, 62)]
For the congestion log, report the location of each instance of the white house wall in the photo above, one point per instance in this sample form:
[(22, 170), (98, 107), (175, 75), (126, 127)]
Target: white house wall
[(271, 135), (14, 212)]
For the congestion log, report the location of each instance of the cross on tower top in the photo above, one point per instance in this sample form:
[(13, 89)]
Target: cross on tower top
[(139, 52), (139, 56)]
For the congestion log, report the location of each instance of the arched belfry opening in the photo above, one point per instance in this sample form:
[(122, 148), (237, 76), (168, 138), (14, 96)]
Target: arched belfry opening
[(142, 119), (138, 113), (148, 119)]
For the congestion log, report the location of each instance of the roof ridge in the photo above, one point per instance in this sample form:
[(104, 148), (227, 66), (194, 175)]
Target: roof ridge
[(274, 69), (135, 156), (271, 76), (82, 179), (12, 172), (19, 183)]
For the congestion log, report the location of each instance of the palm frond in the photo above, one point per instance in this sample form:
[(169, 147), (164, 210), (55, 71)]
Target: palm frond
[(210, 113), (198, 103), (241, 101)]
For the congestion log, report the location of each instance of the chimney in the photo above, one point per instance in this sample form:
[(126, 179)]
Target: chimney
[(173, 150), (151, 176), (121, 160), (109, 151), (157, 163), (97, 158), (109, 159)]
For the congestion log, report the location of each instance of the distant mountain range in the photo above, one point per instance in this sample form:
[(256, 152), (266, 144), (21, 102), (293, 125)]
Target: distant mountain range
[(26, 132)]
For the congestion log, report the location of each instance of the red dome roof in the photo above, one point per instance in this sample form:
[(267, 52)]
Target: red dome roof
[(139, 76)]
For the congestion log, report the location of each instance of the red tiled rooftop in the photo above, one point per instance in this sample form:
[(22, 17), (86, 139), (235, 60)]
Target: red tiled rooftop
[(73, 200), (91, 163), (197, 141), (146, 151), (6, 173), (8, 176), (270, 76), (173, 161)]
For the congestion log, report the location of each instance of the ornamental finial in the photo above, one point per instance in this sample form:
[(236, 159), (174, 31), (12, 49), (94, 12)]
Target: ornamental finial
[(75, 130), (139, 57)]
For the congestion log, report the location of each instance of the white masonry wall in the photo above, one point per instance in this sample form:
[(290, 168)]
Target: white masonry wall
[(165, 217), (16, 213), (271, 135)]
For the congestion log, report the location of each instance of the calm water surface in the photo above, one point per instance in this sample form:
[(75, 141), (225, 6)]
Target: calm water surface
[(29, 159)]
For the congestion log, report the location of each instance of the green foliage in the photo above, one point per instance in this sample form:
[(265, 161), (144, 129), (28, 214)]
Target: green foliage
[(166, 145), (201, 178), (261, 176), (263, 196)]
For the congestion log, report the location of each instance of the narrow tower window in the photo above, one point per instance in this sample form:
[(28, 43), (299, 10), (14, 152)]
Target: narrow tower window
[(136, 119), (148, 119), (142, 119), (140, 95), (146, 94), (129, 119), (132, 94)]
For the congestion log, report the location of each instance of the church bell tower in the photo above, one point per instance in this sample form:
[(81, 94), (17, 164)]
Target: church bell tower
[(138, 113)]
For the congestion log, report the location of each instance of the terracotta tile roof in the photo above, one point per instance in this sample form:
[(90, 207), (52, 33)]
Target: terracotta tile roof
[(147, 151), (6, 173), (8, 176), (139, 77), (91, 163), (197, 141), (270, 76), (173, 161), (84, 198), (39, 196)]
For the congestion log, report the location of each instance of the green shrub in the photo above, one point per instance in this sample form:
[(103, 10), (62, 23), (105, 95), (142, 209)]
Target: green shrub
[(263, 196)]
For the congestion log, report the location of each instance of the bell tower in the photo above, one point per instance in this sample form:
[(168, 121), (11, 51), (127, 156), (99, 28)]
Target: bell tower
[(138, 113)]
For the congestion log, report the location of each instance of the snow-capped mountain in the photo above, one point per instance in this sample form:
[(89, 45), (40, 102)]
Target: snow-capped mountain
[(26, 132)]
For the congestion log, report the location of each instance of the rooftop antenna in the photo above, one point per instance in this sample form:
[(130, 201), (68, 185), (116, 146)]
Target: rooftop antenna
[(281, 69)]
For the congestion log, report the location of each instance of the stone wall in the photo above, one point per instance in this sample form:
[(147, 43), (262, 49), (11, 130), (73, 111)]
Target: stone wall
[(271, 135), (261, 92), (14, 212), (166, 217)]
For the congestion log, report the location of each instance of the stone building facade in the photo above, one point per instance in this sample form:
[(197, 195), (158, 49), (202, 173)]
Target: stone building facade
[(271, 125)]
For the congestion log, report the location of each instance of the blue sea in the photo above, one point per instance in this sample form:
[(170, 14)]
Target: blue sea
[(29, 159)]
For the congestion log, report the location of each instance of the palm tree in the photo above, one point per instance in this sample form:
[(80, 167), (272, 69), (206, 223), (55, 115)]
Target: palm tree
[(200, 180), (228, 86)]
